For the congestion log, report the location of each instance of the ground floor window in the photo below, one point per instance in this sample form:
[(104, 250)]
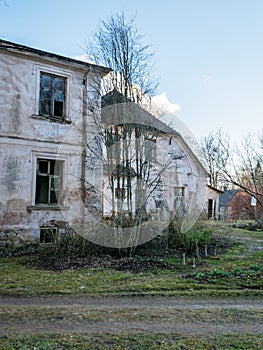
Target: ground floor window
[(48, 181), (211, 208), (179, 199), (120, 193)]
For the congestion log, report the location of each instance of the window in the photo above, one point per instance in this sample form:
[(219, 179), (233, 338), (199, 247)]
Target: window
[(48, 234), (120, 193), (211, 208), (52, 96), (48, 181), (179, 193), (150, 149)]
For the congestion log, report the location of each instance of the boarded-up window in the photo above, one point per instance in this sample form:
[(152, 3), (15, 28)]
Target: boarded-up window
[(48, 181), (52, 96)]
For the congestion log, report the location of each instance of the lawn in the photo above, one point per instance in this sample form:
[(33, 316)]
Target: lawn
[(139, 341), (236, 272)]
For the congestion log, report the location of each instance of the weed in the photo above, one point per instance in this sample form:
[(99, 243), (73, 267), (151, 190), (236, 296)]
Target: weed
[(139, 341), (255, 268)]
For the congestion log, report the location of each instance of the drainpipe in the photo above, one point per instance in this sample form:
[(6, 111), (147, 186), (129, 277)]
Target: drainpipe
[(84, 147)]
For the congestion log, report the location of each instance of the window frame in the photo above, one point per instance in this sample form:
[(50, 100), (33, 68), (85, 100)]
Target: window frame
[(120, 193), (50, 177), (52, 90), (150, 150), (179, 199), (48, 235), (64, 157), (61, 73)]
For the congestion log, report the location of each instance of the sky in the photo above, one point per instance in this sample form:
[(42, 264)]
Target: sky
[(209, 53)]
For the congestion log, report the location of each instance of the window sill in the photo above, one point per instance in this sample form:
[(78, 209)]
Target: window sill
[(46, 207), (53, 119)]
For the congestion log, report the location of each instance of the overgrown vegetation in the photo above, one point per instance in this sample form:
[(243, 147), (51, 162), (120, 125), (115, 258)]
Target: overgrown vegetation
[(138, 341), (232, 266)]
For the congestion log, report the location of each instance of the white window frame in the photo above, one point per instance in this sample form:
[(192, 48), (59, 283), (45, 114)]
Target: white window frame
[(56, 72), (52, 180), (48, 156)]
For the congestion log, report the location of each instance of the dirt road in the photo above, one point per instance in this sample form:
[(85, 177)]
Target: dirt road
[(130, 314)]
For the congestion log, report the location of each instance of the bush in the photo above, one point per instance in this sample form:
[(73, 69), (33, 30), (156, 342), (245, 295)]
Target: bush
[(196, 237)]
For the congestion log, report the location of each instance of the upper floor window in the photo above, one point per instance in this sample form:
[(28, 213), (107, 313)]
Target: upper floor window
[(52, 99)]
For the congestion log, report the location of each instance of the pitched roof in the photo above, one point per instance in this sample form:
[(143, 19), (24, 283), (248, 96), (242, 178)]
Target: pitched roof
[(118, 110), (126, 111), (226, 197), (214, 189), (15, 47)]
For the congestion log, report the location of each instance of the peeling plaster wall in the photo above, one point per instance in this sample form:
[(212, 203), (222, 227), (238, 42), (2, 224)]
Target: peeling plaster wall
[(24, 137), (19, 87), (177, 168)]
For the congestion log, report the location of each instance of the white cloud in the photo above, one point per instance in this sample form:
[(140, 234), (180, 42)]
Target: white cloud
[(206, 77), (161, 102), (83, 58), (165, 110)]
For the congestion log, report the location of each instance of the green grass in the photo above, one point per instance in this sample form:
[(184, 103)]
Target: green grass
[(138, 341), (237, 272), (76, 313), (17, 279)]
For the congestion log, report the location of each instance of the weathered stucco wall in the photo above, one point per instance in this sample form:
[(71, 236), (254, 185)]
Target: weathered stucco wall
[(25, 136), (172, 167)]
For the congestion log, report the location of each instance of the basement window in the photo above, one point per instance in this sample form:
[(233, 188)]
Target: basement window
[(48, 234), (52, 99), (48, 181)]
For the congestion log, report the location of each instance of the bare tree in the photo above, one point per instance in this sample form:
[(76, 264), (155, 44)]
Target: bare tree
[(118, 45), (247, 171), (216, 155), (240, 168), (4, 2), (133, 172)]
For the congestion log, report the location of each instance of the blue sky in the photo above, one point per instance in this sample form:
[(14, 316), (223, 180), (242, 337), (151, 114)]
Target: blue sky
[(209, 53)]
